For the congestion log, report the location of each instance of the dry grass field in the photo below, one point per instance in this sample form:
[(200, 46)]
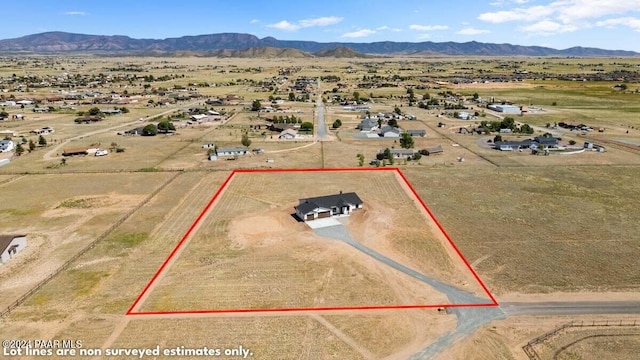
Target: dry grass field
[(249, 243), (61, 215), (535, 228), (543, 229)]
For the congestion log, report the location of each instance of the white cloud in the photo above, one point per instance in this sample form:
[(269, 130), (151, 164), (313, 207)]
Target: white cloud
[(631, 22), (284, 25), (254, 21), (428, 27), (81, 13), (472, 31), (548, 27), (507, 2), (359, 33), (322, 21), (385, 27), (566, 11)]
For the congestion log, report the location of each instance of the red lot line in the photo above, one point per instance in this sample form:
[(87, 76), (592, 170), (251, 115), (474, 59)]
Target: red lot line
[(226, 182)]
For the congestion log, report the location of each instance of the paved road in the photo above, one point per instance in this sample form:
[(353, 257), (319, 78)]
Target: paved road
[(571, 308), (469, 318), (321, 128)]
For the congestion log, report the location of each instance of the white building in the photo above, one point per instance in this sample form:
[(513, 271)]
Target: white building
[(10, 246), (6, 145)]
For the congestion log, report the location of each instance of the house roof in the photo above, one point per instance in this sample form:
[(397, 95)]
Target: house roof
[(437, 149), (289, 132), (5, 240), (336, 200), (387, 128), (233, 149), (416, 132)]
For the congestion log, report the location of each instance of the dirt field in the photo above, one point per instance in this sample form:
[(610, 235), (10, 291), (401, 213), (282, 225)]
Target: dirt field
[(59, 223), (251, 238)]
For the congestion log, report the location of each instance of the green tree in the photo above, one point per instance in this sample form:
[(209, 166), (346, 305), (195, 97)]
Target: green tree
[(406, 141), (19, 149), (397, 110), (306, 126), (32, 145), (94, 111), (388, 156), (292, 96), (356, 96), (42, 141), (150, 130), (245, 141), (165, 126), (393, 122), (497, 138), (256, 105), (337, 123), (360, 160)]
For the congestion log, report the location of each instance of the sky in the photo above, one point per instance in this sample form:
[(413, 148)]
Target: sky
[(560, 24)]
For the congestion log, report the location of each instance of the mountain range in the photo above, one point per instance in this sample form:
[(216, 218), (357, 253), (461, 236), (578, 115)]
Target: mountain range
[(228, 45)]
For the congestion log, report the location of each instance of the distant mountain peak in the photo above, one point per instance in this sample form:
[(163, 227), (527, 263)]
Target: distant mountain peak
[(62, 42)]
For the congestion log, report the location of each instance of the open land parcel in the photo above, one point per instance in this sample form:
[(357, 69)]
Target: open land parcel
[(535, 228)]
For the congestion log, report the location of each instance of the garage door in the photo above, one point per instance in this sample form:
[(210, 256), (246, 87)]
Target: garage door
[(325, 214), (309, 217)]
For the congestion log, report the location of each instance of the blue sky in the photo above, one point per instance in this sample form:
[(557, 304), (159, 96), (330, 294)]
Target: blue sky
[(609, 24)]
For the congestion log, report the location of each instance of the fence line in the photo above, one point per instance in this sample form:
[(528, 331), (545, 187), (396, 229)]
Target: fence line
[(90, 246), (533, 355)]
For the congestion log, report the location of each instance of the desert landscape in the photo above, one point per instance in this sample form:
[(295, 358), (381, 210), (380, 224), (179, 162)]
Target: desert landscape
[(482, 235)]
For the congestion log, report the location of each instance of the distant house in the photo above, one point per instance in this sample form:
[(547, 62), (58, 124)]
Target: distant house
[(111, 111), (234, 151), (549, 142), (280, 127), (208, 146), (420, 133), (507, 109), (328, 206), (399, 153), (43, 131), (288, 134), (367, 125), (41, 109), (513, 145), (465, 115), (390, 132), (432, 151), (6, 145), (10, 246)]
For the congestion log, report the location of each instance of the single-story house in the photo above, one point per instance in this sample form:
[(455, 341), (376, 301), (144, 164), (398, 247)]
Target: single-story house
[(465, 115), (328, 206), (367, 125), (6, 145), (288, 134), (10, 246), (280, 127), (513, 145), (400, 153), (549, 142), (420, 133), (208, 146), (111, 111), (390, 132), (235, 151), (9, 133), (507, 109), (432, 151), (41, 109), (43, 131)]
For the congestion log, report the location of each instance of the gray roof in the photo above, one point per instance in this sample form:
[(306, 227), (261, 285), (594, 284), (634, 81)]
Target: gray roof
[(5, 240), (233, 149), (417, 132), (388, 128), (336, 200)]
